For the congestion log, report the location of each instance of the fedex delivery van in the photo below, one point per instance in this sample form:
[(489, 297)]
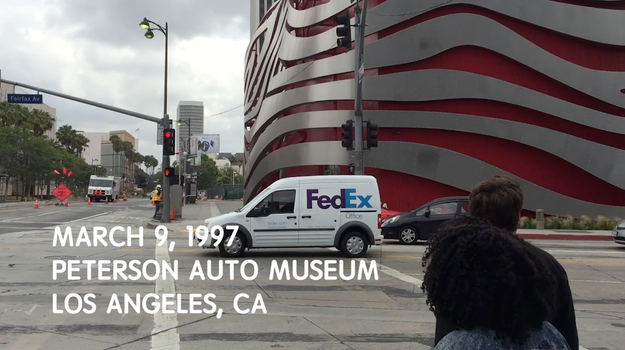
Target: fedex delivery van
[(340, 211)]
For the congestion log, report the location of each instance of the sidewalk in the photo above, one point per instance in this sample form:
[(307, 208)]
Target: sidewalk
[(192, 215), (568, 235)]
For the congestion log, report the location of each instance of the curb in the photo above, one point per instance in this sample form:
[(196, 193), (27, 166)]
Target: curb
[(153, 224), (565, 237)]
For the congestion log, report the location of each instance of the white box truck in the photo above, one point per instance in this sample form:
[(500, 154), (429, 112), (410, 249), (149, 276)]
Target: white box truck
[(103, 188)]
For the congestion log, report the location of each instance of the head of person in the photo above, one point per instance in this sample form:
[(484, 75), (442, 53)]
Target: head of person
[(479, 277), (158, 187), (498, 199)]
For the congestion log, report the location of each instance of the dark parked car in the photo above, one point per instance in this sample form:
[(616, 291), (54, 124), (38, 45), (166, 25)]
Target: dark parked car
[(422, 223)]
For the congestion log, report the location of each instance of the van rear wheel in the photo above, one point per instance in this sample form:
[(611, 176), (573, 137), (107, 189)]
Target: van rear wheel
[(235, 250), (354, 245)]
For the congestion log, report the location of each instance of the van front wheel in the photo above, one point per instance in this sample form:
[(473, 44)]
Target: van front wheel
[(354, 245), (235, 250)]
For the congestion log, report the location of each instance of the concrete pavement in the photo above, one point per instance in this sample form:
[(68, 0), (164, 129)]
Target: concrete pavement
[(384, 313)]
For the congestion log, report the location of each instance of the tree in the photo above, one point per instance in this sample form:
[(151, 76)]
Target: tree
[(71, 141), (207, 173), (17, 115), (150, 162), (227, 176), (41, 122)]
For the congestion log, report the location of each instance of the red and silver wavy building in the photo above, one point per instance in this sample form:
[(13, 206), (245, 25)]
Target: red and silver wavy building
[(460, 89)]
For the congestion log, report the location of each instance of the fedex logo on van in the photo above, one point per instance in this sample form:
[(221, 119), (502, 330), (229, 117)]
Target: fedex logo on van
[(348, 199)]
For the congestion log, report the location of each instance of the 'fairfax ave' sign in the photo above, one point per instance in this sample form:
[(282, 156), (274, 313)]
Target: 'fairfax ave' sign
[(25, 98)]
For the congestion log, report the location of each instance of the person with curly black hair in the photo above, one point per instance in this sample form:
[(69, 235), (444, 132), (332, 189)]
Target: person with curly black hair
[(499, 199), (490, 285)]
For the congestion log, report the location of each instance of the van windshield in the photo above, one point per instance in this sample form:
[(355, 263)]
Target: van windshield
[(100, 183), (249, 204)]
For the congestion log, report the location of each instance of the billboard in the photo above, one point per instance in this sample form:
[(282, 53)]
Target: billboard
[(207, 143)]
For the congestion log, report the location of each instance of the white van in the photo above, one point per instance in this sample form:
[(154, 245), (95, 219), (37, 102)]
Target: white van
[(341, 211)]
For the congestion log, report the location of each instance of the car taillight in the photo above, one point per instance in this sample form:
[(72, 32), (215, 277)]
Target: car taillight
[(379, 220)]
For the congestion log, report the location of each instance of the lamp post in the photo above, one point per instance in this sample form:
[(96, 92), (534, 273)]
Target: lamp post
[(149, 33), (186, 157)]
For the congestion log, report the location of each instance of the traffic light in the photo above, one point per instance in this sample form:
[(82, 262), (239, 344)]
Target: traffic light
[(344, 31), (170, 174), (346, 135), (169, 142), (372, 135)]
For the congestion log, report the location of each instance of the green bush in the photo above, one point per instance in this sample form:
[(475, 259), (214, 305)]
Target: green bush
[(571, 223)]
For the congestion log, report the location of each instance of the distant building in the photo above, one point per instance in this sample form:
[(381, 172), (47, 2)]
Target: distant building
[(192, 112), (117, 164), (93, 152)]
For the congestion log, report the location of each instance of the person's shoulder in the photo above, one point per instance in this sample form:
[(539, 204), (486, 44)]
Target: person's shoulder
[(552, 338), (547, 260), (463, 339)]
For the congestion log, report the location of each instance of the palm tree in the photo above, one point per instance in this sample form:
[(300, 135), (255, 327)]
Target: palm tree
[(80, 144), (71, 141), (41, 121), (9, 113), (116, 142), (127, 152), (66, 137)]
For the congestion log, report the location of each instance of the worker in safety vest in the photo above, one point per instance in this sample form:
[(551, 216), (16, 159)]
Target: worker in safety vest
[(156, 198)]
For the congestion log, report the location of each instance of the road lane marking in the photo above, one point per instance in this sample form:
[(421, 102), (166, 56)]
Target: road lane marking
[(591, 262), (586, 251), (590, 281), (170, 339), (90, 217), (400, 276), (34, 216)]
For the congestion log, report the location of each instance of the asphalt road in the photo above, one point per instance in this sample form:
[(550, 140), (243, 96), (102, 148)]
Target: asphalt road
[(384, 313)]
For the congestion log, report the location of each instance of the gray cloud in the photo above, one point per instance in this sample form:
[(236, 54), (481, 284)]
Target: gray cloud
[(115, 22), (96, 50)]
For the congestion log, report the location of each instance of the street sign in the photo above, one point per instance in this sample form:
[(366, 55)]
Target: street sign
[(25, 98), (159, 133), (61, 192)]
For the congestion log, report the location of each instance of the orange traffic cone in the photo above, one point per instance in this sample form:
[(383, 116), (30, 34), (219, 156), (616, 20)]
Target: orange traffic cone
[(36, 204), (66, 204), (153, 204), (106, 201), (88, 200), (125, 198), (172, 216)]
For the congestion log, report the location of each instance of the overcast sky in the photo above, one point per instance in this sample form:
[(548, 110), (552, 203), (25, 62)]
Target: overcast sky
[(96, 50)]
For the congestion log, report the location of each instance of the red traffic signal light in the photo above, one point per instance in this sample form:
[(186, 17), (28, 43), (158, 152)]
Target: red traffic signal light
[(169, 142), (169, 172)]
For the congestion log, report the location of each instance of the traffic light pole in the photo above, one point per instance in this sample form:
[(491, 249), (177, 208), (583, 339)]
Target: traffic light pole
[(360, 16), (165, 208)]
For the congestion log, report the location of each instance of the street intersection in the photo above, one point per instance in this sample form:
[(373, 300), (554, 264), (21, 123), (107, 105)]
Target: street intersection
[(387, 313)]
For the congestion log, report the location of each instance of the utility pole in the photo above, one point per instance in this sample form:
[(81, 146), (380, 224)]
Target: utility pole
[(360, 16)]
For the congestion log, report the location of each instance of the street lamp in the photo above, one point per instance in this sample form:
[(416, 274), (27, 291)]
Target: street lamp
[(149, 33), (186, 158)]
